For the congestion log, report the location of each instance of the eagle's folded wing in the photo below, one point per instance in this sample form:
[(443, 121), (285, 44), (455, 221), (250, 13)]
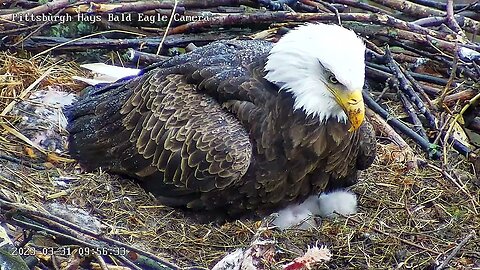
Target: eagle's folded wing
[(167, 131)]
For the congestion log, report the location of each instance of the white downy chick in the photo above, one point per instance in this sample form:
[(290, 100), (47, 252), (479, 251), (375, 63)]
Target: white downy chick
[(326, 205)]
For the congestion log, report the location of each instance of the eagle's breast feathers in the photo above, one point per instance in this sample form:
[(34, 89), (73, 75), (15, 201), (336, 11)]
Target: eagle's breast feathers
[(207, 130)]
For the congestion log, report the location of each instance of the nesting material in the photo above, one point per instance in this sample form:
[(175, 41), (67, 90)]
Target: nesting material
[(42, 119), (75, 215)]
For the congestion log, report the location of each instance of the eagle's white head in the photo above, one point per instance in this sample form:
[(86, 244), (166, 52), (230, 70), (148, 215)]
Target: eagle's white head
[(323, 67)]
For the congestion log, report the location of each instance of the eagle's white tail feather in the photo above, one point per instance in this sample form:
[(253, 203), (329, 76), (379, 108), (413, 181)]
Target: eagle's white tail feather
[(111, 71), (93, 81), (106, 73)]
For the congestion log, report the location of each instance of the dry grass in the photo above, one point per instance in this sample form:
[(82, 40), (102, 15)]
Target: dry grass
[(405, 220)]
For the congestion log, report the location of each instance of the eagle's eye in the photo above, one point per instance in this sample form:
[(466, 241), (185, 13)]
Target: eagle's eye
[(332, 79)]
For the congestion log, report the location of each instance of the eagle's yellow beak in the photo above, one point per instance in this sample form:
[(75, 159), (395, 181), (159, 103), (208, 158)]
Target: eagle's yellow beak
[(352, 104)]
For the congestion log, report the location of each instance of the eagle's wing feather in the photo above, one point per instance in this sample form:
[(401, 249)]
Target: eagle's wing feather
[(169, 129), (368, 146), (161, 131)]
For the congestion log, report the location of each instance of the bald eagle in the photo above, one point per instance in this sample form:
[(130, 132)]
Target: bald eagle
[(238, 126)]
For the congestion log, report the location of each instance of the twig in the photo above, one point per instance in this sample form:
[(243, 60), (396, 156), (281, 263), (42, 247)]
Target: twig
[(37, 43), (453, 75), (430, 21), (360, 5), (460, 96), (168, 26), (142, 6), (332, 8), (456, 119), (406, 87), (420, 11), (143, 58), (100, 261), (276, 5), (443, 6), (84, 37), (455, 251), (452, 22), (22, 162), (460, 185), (269, 17), (417, 124), (415, 75), (392, 236), (417, 87), (409, 75), (392, 35), (317, 6), (432, 149), (72, 231), (129, 263)]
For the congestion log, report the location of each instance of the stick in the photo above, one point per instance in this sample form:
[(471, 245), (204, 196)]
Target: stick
[(69, 230), (442, 6), (49, 7), (432, 150), (392, 236), (269, 17), (452, 22), (454, 252), (420, 11), (417, 124), (22, 162), (168, 27), (406, 87), (143, 58), (276, 5), (453, 75), (450, 100), (415, 75), (42, 43), (360, 5)]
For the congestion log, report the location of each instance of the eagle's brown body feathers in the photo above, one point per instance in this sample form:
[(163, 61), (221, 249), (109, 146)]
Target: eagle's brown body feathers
[(205, 130)]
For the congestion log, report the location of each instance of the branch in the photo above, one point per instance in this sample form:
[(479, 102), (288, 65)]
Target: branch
[(432, 149), (360, 5), (269, 17), (50, 7), (452, 22), (475, 6), (417, 124), (21, 214), (406, 87), (454, 252), (420, 11), (276, 5), (42, 43)]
